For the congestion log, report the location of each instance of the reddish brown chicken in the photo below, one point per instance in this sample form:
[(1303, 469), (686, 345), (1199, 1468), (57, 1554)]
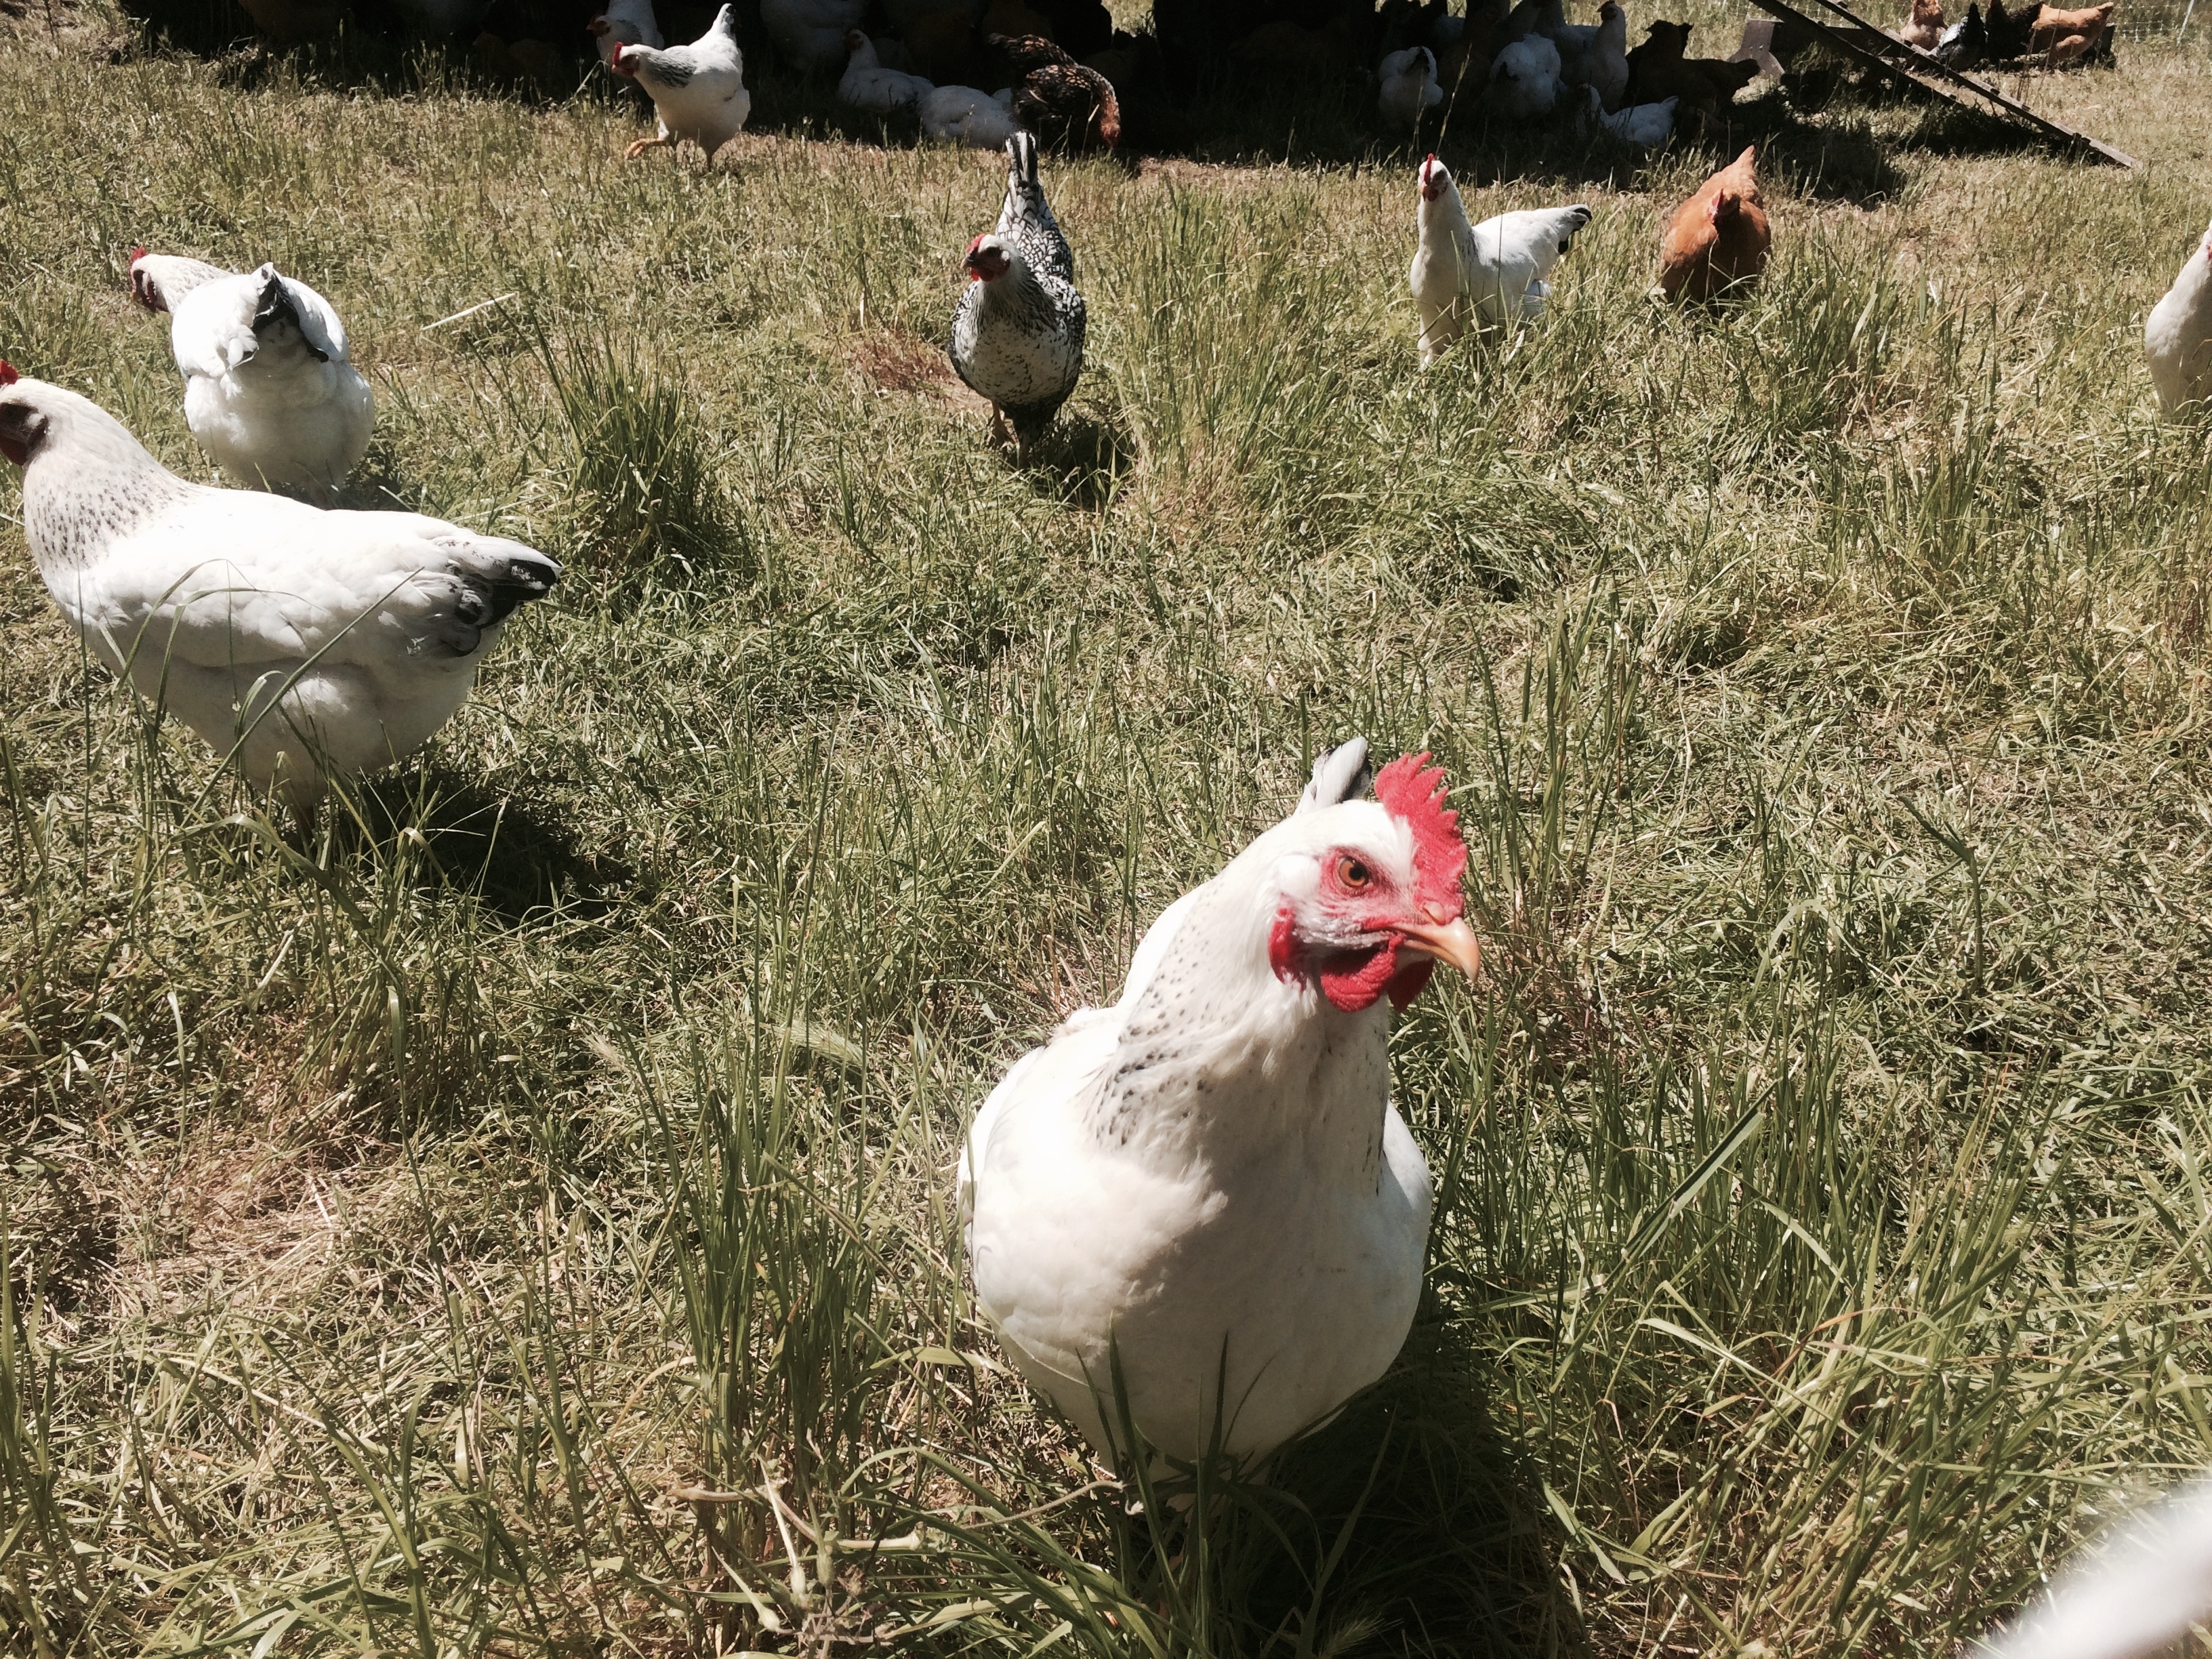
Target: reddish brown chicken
[(1055, 97), (1719, 237)]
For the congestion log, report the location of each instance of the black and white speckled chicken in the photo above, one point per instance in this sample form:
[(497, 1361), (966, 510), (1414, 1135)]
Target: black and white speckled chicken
[(1017, 331), (1056, 98)]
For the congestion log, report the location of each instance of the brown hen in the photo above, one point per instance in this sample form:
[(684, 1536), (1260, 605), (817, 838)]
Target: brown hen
[(1719, 237)]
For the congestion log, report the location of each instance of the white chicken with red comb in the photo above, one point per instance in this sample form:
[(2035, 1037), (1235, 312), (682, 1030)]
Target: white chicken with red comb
[(1205, 1188), (1474, 277), (698, 91)]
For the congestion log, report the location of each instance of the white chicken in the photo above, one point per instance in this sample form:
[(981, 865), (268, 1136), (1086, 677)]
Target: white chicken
[(1409, 90), (304, 644), (1603, 61), (1484, 274), (2139, 1595), (867, 86), (626, 23), (271, 392), (1642, 126), (969, 116), (812, 32), (1524, 79), (698, 91), (1206, 1185), (2177, 337)]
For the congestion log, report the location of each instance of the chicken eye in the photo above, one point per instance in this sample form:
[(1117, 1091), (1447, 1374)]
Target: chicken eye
[(1353, 875)]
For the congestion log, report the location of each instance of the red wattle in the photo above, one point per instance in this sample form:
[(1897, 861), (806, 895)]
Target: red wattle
[(1355, 986), (1410, 982)]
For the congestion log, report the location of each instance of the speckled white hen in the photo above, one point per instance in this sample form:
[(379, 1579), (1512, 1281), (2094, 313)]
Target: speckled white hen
[(301, 642), (270, 391), (698, 91), (1018, 327), (1482, 276), (1206, 1184)]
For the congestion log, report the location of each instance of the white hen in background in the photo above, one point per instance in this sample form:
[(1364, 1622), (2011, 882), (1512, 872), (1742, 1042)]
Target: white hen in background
[(812, 32), (1207, 1184), (1524, 79), (626, 23), (1409, 89), (1481, 275), (968, 115), (271, 392), (867, 86), (1645, 126), (698, 91), (2178, 335), (305, 643)]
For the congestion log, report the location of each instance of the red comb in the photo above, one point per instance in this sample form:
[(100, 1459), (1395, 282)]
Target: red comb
[(137, 253), (1414, 790), (8, 374)]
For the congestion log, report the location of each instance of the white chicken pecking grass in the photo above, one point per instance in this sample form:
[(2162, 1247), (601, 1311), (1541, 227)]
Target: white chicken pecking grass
[(270, 391), (698, 91), (1205, 1188), (302, 643), (811, 33), (969, 116), (1640, 126), (1524, 79), (2177, 336), (1482, 276)]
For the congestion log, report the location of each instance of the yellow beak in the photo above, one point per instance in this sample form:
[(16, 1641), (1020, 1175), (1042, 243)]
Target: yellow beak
[(1455, 943)]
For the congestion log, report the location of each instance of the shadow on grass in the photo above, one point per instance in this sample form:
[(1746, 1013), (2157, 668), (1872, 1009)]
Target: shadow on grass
[(1081, 460), (520, 861), (1409, 1525), (1449, 1551)]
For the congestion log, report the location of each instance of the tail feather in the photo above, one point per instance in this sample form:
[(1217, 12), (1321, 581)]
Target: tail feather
[(277, 305), (1340, 774), (488, 589)]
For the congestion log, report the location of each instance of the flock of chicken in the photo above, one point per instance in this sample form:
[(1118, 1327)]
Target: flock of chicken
[(1201, 1195), (1520, 64), (2045, 36)]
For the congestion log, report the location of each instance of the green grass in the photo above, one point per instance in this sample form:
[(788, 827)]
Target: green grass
[(518, 1220)]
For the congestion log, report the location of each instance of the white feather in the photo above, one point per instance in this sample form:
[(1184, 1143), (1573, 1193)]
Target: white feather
[(1206, 1182), (306, 642)]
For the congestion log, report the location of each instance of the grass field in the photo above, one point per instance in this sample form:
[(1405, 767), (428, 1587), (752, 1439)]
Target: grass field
[(398, 1225)]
